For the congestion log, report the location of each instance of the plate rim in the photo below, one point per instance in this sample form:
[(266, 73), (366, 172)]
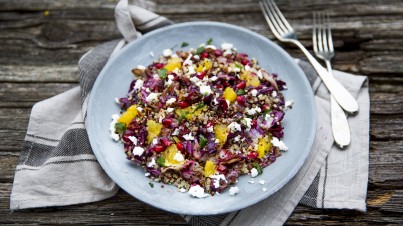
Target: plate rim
[(110, 172)]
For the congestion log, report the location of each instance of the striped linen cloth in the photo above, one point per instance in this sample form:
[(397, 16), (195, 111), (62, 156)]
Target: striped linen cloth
[(57, 166)]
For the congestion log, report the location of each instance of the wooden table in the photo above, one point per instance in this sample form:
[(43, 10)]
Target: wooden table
[(41, 42)]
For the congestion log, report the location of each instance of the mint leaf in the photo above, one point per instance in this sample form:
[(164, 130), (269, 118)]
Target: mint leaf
[(240, 92), (184, 44), (239, 66), (151, 184), (162, 73), (200, 50), (161, 161), (201, 105), (210, 41), (258, 168), (202, 141), (120, 127)]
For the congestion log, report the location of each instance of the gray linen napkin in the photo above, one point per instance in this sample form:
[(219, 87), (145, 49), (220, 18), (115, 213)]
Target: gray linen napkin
[(57, 166)]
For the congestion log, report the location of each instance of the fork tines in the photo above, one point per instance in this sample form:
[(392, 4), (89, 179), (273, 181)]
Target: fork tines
[(322, 34), (277, 22)]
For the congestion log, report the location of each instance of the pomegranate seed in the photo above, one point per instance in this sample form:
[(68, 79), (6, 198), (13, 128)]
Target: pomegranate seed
[(159, 148), (183, 104), (218, 52), (159, 65), (166, 122), (165, 142), (241, 85), (201, 75), (254, 122), (245, 62), (219, 86), (221, 168), (209, 124), (253, 155), (204, 55), (241, 100), (265, 107), (180, 146), (226, 84), (125, 137)]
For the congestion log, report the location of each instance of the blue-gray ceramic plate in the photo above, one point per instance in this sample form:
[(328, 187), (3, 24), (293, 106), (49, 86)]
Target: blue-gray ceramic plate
[(114, 80)]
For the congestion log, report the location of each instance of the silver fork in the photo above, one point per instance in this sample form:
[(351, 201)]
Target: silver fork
[(323, 48), (285, 33)]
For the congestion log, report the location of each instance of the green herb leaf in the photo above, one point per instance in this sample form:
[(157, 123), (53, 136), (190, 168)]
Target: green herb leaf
[(240, 92), (202, 141), (210, 41), (162, 73), (200, 50), (184, 44), (161, 161), (239, 66), (151, 184), (120, 127), (182, 116), (257, 166), (201, 105), (265, 112)]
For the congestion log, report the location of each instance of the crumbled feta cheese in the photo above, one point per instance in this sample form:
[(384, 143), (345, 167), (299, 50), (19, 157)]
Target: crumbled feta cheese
[(171, 100), (188, 60), (196, 57), (138, 151), (133, 139), (176, 132), (213, 78), (234, 126), (152, 163), (139, 83), (288, 104), (174, 56), (279, 143), (236, 69), (233, 190), (251, 181), (217, 178), (253, 172), (115, 118), (215, 102), (236, 139), (141, 67), (247, 68), (226, 53), (259, 74), (147, 174), (228, 102), (147, 90), (253, 110), (160, 119), (197, 191), (167, 52), (140, 109), (191, 70), (217, 141), (206, 90), (248, 123), (195, 79), (188, 136), (227, 46), (155, 141), (253, 92), (169, 110), (151, 54), (264, 189), (210, 129), (183, 190), (151, 97), (117, 100), (179, 157), (274, 94), (211, 47), (170, 79), (262, 182)]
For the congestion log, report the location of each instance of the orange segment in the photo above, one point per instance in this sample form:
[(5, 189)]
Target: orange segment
[(173, 63), (153, 129), (128, 115), (229, 94), (264, 146), (205, 65), (210, 168), (251, 79), (221, 132)]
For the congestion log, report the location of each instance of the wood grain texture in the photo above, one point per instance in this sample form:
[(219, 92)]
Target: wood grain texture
[(41, 42)]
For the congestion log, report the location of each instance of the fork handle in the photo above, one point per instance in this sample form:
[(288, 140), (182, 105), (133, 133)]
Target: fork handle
[(340, 94), (340, 128)]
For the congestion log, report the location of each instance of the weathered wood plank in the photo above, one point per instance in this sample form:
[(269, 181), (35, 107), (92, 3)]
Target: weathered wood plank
[(30, 73)]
